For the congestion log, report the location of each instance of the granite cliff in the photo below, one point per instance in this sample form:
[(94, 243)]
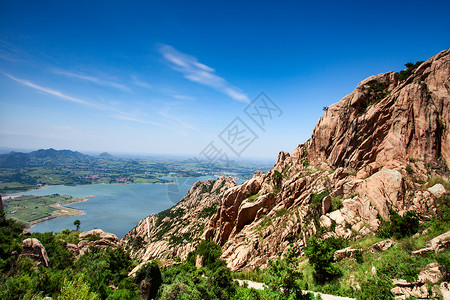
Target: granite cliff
[(371, 154)]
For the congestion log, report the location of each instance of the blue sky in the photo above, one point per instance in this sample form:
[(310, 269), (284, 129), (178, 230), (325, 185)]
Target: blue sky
[(167, 77)]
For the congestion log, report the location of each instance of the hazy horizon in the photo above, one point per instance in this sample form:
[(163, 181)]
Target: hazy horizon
[(176, 78)]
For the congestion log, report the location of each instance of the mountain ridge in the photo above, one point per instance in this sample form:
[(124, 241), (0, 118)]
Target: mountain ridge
[(370, 154)]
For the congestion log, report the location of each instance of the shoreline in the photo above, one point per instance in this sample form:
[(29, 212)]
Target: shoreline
[(77, 212), (12, 196)]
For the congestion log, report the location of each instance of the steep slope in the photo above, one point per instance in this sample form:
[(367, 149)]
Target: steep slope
[(372, 152), (176, 231)]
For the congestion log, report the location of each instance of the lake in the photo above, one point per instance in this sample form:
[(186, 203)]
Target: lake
[(115, 208)]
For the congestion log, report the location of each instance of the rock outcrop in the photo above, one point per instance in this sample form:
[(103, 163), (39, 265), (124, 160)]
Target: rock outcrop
[(370, 154), (95, 238), (420, 287), (33, 249)]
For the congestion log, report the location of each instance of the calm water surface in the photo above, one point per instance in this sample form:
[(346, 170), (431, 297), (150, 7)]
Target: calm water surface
[(115, 208)]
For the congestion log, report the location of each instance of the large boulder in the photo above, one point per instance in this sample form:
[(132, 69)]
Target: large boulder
[(33, 248), (383, 245), (437, 190), (96, 238)]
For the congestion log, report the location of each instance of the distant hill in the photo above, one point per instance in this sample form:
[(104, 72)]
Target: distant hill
[(42, 157), (105, 155)]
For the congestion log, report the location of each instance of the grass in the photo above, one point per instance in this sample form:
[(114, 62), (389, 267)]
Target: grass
[(32, 208), (252, 198), (435, 180)]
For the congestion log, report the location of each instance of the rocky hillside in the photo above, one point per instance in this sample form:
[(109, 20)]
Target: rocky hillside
[(175, 232), (371, 154)]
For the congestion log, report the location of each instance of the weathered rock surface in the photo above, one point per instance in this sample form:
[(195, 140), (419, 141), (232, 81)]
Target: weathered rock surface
[(410, 121), (94, 238), (345, 253), (419, 288), (33, 249), (437, 190), (437, 244), (383, 245)]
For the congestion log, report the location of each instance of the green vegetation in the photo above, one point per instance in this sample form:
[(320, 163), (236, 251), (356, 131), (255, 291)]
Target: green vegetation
[(377, 92), (320, 254), (336, 203), (252, 198), (99, 274), (265, 222), (316, 199), (410, 68), (77, 224), (32, 208), (399, 226), (208, 212)]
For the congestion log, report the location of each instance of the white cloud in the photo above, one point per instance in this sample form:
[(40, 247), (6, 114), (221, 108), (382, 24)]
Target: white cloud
[(56, 93), (93, 79), (117, 113), (195, 71)]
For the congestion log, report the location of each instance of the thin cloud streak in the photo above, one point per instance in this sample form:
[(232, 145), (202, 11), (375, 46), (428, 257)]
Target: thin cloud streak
[(56, 93), (178, 121), (93, 79), (117, 113), (200, 73)]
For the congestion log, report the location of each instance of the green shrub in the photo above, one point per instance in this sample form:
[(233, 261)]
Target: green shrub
[(336, 203), (321, 257), (316, 199), (377, 288), (150, 279), (399, 226), (77, 289), (410, 67), (93, 237), (210, 252)]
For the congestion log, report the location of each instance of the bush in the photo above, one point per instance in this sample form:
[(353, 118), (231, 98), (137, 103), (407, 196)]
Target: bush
[(336, 203), (149, 278), (210, 252), (378, 288), (76, 289), (410, 67), (399, 226), (321, 256)]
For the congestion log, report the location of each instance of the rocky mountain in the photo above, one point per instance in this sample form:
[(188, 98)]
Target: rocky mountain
[(371, 154)]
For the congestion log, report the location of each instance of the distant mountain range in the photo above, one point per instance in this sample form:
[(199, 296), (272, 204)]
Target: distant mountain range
[(44, 157)]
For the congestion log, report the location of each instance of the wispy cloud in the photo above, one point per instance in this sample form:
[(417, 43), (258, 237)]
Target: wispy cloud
[(178, 121), (200, 73), (140, 83), (93, 79), (117, 113), (56, 93), (183, 97)]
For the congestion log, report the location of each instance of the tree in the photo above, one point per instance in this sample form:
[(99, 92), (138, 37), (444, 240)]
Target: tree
[(210, 252), (321, 256), (77, 223), (284, 279), (149, 279)]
